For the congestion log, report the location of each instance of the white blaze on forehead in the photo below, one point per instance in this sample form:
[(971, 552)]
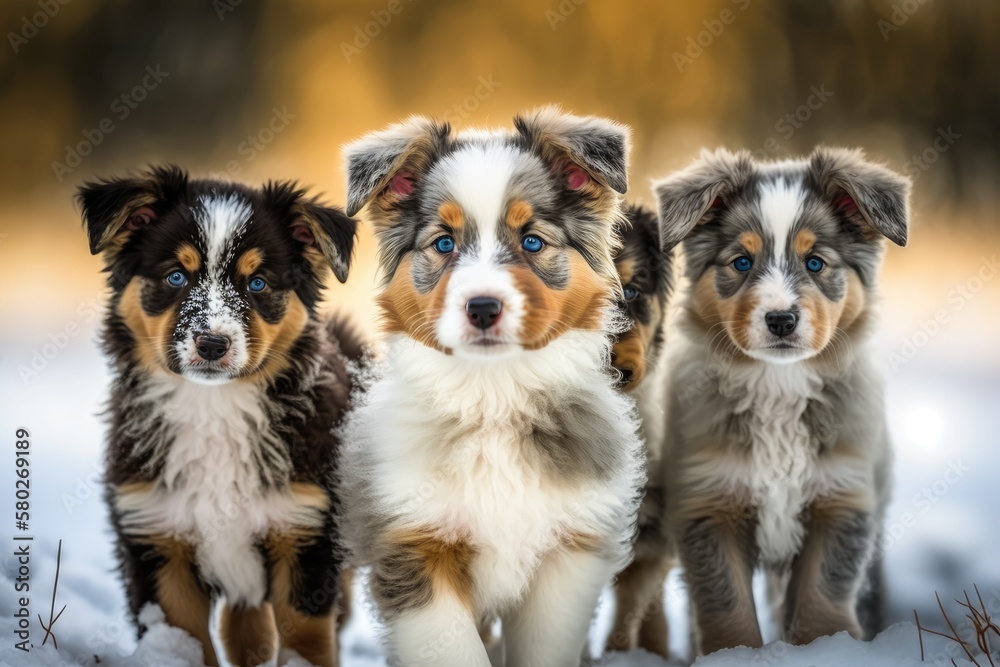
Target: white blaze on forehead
[(779, 204), (774, 291), (221, 218), (214, 304), (477, 178)]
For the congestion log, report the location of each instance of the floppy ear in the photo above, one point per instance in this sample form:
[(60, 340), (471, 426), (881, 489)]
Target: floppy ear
[(870, 196), (325, 230), (581, 149), (387, 165), (114, 209), (698, 193)]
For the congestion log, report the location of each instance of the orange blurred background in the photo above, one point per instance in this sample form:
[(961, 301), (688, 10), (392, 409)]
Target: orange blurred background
[(262, 89), (259, 89)]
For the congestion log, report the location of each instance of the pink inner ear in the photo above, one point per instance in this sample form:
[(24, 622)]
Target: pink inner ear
[(303, 234), (140, 218), (717, 203), (402, 184), (576, 177), (845, 203)]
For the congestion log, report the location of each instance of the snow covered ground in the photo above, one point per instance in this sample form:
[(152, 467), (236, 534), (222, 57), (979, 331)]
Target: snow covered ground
[(943, 532)]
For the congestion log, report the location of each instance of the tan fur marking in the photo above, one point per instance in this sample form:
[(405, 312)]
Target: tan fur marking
[(448, 564), (114, 237), (737, 312), (152, 333), (189, 258), (312, 637), (131, 495), (733, 313), (316, 260), (308, 495), (185, 605), (752, 242), (826, 316), (419, 565), (451, 214), (134, 489), (704, 302), (249, 635), (269, 344), (626, 269), (577, 541), (804, 241), (710, 312), (629, 353), (837, 322), (550, 313), (855, 303), (816, 615), (737, 625), (518, 213), (405, 310), (640, 618), (249, 262)]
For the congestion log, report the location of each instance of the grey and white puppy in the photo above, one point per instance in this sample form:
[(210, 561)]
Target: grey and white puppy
[(779, 455)]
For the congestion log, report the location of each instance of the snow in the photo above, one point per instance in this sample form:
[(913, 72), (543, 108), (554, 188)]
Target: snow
[(941, 536)]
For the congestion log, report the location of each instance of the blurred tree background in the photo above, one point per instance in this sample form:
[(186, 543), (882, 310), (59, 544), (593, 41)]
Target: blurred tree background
[(262, 89)]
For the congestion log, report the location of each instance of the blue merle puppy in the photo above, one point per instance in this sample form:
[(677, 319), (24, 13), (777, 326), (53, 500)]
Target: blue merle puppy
[(779, 454)]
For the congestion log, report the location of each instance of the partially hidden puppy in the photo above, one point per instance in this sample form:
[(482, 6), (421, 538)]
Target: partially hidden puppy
[(226, 385), (496, 470), (646, 274), (777, 438)]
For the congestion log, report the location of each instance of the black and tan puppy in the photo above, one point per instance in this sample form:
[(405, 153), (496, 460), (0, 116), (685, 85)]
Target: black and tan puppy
[(646, 274), (779, 453), (225, 387)]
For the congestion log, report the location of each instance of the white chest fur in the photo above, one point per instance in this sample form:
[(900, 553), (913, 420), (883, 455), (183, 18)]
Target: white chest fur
[(209, 492), (437, 436), (783, 464)]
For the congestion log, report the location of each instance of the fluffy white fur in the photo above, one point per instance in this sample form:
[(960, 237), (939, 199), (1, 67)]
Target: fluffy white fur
[(210, 493), (483, 489), (779, 203)]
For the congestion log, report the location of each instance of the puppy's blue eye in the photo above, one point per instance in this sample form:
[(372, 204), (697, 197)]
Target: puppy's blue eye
[(742, 264), (257, 285), (444, 245), (631, 293), (177, 279), (815, 264), (532, 243)]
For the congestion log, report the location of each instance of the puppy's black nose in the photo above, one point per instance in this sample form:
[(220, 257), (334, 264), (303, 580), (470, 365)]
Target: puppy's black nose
[(781, 322), (483, 311), (211, 347)]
